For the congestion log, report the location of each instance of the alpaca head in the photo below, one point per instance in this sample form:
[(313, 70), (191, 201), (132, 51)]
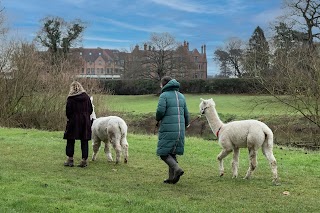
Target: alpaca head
[(93, 115), (205, 104)]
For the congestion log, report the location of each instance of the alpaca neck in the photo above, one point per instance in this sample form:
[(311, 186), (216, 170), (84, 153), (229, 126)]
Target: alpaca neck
[(213, 119)]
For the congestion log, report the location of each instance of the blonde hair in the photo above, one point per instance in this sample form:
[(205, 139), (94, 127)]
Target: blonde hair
[(76, 89)]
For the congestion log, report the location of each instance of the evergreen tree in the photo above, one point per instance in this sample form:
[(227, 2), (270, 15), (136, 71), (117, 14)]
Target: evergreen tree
[(286, 38), (257, 55)]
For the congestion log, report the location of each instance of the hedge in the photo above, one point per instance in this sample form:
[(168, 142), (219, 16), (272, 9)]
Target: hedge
[(216, 86)]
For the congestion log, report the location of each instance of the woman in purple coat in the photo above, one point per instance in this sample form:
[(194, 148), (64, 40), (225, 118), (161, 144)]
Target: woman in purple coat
[(78, 111)]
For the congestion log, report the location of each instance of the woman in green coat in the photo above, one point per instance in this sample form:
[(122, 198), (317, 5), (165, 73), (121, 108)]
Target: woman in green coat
[(173, 116)]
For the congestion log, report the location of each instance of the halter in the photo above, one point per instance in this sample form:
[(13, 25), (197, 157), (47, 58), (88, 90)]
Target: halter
[(204, 109), (217, 134)]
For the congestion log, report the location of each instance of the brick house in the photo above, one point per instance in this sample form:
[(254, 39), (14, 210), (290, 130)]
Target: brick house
[(100, 63), (113, 64), (199, 59)]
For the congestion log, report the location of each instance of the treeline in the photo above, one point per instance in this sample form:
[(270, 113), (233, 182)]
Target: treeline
[(216, 86)]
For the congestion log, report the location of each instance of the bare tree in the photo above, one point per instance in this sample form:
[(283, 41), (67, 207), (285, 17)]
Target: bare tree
[(161, 55), (159, 61), (230, 57), (3, 27), (291, 86), (306, 14)]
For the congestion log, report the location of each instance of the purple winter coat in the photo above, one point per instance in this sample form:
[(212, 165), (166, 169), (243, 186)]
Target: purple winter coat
[(78, 111)]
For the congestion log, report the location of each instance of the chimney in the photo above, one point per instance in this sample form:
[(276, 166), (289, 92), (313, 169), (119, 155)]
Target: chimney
[(201, 49), (149, 47), (204, 49), (184, 44), (137, 47), (188, 45), (145, 47)]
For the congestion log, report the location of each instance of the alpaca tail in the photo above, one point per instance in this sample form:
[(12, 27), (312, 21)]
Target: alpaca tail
[(267, 149), (269, 137), (268, 142), (122, 128)]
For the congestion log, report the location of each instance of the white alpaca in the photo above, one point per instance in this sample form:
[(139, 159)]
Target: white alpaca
[(110, 130), (251, 134)]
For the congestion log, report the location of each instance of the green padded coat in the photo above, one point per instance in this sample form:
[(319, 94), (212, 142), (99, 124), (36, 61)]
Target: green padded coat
[(172, 112)]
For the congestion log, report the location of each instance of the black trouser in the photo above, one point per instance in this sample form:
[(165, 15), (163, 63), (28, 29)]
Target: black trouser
[(84, 148)]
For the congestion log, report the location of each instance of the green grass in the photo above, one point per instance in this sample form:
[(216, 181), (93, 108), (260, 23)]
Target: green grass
[(33, 179), (241, 105)]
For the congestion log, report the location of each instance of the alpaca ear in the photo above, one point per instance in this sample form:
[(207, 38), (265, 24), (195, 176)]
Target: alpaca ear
[(201, 99), (211, 99)]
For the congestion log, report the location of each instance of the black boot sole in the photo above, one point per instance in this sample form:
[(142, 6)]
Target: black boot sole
[(176, 179)]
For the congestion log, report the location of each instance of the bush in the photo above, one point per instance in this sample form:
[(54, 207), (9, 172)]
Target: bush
[(34, 96), (217, 86)]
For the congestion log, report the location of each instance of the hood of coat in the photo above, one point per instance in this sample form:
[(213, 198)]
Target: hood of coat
[(171, 85), (82, 97)]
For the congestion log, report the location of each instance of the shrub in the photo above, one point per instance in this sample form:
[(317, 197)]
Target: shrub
[(217, 86)]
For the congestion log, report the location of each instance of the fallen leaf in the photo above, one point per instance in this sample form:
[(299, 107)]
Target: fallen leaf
[(286, 193)]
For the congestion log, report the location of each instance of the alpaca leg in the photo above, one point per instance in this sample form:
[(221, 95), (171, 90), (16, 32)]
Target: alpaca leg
[(125, 147), (95, 147), (117, 148), (273, 164), (235, 162), (253, 162), (107, 151), (220, 157)]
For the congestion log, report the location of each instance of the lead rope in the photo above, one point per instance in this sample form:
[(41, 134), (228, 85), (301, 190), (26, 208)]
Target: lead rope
[(199, 116)]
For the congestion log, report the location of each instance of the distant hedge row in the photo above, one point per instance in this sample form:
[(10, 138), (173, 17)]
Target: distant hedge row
[(217, 86)]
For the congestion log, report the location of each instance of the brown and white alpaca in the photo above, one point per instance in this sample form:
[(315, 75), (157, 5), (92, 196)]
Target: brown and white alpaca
[(232, 136)]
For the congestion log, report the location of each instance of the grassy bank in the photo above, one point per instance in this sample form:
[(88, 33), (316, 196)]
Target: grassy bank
[(240, 105), (289, 127), (33, 179)]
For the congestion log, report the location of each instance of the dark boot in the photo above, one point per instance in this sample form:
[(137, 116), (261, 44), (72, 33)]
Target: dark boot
[(172, 163), (83, 163), (69, 162), (171, 174)]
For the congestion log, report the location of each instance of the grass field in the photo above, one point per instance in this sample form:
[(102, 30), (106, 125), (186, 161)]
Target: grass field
[(33, 179), (242, 105)]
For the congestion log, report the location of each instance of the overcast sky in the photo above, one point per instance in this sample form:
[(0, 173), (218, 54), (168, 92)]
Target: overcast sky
[(121, 24)]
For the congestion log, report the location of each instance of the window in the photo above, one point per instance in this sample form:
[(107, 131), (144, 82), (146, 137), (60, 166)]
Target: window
[(90, 53), (99, 53), (82, 70), (80, 53), (99, 62), (88, 70), (92, 71)]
